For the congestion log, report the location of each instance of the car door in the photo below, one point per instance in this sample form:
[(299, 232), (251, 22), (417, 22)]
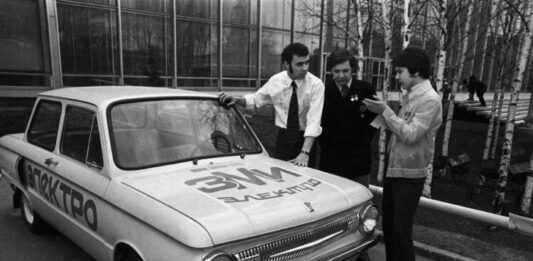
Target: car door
[(68, 175)]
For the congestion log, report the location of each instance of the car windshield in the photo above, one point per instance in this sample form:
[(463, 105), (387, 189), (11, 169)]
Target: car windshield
[(156, 132)]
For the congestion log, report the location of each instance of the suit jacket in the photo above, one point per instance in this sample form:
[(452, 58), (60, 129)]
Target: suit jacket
[(346, 131)]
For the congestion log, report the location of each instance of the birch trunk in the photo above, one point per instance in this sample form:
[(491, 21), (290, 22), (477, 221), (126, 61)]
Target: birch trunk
[(497, 120), (493, 116), (406, 30), (496, 137), (499, 195), (485, 43), (451, 102), (476, 38), (386, 84), (493, 28), (425, 26), (357, 6), (525, 205), (370, 35), (442, 45)]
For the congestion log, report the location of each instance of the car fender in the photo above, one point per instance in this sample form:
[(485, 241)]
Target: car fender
[(10, 158)]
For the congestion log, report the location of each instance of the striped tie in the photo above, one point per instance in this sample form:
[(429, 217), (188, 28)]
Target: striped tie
[(293, 125)]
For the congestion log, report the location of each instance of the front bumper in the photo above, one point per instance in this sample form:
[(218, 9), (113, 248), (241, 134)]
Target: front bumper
[(352, 253)]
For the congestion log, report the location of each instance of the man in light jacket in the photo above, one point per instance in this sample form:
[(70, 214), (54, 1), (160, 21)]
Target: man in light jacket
[(411, 149)]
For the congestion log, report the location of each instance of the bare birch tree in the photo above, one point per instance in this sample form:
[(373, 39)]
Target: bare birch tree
[(504, 31), (525, 205), (357, 7), (505, 160), (406, 28), (458, 75), (442, 46), (491, 9), (387, 28)]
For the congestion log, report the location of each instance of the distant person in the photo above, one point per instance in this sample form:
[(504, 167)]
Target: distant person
[(298, 100), (411, 149), (346, 132), (478, 87)]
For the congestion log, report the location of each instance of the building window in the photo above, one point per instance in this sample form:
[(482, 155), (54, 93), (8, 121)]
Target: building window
[(23, 60), (197, 53), (277, 14), (272, 45), (88, 38), (147, 46), (206, 9)]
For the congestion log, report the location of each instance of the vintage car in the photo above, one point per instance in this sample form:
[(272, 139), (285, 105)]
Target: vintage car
[(140, 173)]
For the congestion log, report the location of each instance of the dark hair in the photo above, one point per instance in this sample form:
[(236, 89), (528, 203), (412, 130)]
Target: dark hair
[(341, 55), (297, 49), (472, 78), (415, 59)]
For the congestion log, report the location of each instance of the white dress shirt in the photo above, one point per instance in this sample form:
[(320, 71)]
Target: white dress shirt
[(277, 91)]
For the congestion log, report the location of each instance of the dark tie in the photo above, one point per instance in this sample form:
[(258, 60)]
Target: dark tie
[(293, 127), (345, 90)]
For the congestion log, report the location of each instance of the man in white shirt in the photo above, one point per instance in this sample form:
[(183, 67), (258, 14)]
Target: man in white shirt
[(411, 149), (278, 91)]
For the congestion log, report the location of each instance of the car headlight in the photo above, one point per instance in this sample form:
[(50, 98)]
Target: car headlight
[(219, 256), (369, 219)]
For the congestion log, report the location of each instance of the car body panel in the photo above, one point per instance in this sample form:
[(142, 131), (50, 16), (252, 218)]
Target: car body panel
[(249, 197)]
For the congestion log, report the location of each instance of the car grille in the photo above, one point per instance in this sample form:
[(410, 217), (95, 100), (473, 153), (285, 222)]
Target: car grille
[(301, 244)]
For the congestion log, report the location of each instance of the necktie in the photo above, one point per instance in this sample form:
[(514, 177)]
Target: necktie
[(345, 90), (293, 126)]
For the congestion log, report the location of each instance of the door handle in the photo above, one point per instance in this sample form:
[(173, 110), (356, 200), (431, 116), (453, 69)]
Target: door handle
[(50, 161)]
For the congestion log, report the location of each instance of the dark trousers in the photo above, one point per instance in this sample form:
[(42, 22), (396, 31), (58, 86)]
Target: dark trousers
[(286, 149), (400, 200), (479, 94)]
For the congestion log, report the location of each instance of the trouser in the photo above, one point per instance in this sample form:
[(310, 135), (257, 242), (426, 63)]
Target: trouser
[(479, 95), (286, 149), (400, 200)]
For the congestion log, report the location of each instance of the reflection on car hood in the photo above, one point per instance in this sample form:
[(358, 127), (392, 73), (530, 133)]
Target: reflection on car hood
[(248, 198)]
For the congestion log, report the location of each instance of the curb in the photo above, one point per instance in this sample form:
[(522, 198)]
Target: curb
[(431, 251), (439, 254)]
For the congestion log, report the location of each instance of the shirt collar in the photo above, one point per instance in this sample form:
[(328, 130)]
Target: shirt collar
[(299, 82), (347, 84), (419, 89)]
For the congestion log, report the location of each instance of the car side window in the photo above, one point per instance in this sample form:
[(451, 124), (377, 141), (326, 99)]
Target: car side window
[(44, 125), (81, 140)]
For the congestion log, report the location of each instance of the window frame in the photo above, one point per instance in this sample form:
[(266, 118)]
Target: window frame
[(38, 105), (94, 120)]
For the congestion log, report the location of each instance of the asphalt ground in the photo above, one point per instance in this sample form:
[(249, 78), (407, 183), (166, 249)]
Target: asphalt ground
[(18, 243)]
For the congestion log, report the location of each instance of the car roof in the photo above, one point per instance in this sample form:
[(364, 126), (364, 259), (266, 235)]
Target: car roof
[(103, 95)]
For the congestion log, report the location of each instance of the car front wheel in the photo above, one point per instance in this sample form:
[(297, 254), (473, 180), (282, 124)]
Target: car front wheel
[(32, 220)]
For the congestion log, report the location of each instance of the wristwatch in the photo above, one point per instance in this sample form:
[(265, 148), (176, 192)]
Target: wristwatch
[(305, 152)]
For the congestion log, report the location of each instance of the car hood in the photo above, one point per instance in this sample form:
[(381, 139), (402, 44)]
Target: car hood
[(237, 200)]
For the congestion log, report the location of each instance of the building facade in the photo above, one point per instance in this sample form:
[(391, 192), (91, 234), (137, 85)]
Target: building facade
[(195, 44)]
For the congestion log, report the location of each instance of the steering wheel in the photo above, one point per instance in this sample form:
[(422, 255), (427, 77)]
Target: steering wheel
[(219, 141)]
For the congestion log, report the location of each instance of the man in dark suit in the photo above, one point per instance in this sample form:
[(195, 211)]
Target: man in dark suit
[(346, 131)]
